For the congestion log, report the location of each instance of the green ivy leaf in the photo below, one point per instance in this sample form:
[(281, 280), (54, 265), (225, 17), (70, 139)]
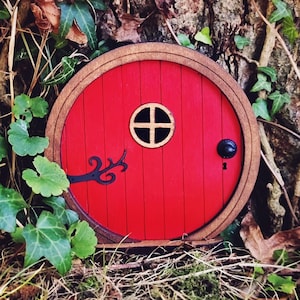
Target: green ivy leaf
[(11, 202), (27, 107), (4, 13), (185, 41), (258, 270), (281, 11), (22, 143), (260, 109), (21, 107), (60, 41), (97, 4), (17, 236), (83, 239), (203, 36), (3, 147), (262, 83), (48, 239), (102, 48), (278, 101), (283, 284), (79, 12), (66, 216), (241, 41), (282, 257), (38, 107), (269, 71), (49, 180), (67, 70), (289, 29)]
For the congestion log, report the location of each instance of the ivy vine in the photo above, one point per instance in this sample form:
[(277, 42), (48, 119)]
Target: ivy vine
[(32, 210)]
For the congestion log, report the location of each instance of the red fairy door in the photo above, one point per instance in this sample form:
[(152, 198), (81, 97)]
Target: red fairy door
[(154, 150), (155, 126)]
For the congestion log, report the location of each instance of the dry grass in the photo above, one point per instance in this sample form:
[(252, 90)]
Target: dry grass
[(177, 273)]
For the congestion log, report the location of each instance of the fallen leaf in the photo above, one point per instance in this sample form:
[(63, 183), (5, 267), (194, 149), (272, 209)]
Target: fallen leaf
[(47, 17), (262, 249), (40, 19), (129, 28), (164, 7), (76, 35), (46, 13)]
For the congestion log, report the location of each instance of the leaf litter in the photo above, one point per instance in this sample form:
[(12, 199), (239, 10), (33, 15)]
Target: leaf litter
[(210, 272)]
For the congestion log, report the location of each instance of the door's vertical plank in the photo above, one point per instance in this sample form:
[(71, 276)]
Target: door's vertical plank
[(114, 145), (231, 129), (152, 158), (193, 147), (172, 152), (213, 167), (95, 146), (131, 90), (73, 144)]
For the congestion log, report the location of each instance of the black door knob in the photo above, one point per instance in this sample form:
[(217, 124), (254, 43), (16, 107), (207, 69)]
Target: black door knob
[(227, 148)]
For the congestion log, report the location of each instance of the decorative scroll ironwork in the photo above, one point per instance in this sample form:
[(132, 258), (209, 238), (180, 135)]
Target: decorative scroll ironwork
[(97, 173)]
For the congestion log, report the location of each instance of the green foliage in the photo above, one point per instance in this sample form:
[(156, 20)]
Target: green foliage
[(284, 284), (260, 108), (258, 271), (3, 147), (79, 12), (66, 72), (36, 215), (284, 14), (58, 204), (22, 143), (282, 11), (48, 239), (269, 71), (83, 239), (241, 41), (203, 36), (17, 236), (262, 83), (185, 40), (282, 257), (4, 13), (48, 179), (11, 202), (102, 48), (98, 4), (204, 286), (24, 109), (27, 108), (265, 79), (231, 235), (279, 100), (289, 29)]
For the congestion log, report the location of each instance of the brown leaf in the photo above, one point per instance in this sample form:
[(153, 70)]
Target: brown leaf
[(25, 292), (262, 249), (47, 14), (40, 20), (164, 7), (76, 35), (129, 28), (47, 17)]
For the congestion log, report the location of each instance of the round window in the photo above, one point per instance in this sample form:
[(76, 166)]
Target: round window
[(152, 125)]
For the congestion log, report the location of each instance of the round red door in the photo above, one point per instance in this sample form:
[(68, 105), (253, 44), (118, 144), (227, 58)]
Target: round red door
[(153, 148), (158, 142)]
